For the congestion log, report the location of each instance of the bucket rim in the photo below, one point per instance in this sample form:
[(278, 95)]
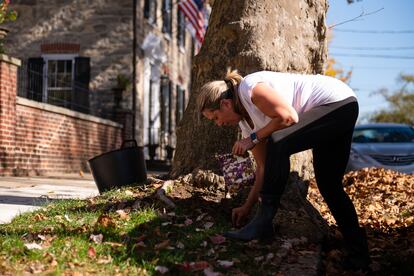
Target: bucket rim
[(113, 151)]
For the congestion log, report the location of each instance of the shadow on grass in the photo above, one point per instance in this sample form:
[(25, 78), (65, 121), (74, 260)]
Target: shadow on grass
[(25, 200)]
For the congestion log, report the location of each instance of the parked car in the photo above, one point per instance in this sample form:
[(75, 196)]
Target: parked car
[(383, 145)]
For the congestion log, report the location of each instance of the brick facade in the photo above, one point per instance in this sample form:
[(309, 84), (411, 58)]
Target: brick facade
[(8, 73), (102, 31), (38, 138), (58, 48)]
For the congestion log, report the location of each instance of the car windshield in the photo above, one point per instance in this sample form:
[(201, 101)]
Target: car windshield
[(383, 135)]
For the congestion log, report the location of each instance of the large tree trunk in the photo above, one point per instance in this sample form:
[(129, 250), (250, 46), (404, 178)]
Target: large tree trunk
[(248, 35)]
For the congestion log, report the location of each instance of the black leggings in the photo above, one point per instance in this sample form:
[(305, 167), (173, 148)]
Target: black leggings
[(327, 130)]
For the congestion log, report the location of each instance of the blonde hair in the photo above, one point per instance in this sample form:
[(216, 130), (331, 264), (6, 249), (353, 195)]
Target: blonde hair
[(213, 92)]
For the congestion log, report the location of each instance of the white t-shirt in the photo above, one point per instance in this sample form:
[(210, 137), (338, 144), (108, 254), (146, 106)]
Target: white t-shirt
[(303, 92)]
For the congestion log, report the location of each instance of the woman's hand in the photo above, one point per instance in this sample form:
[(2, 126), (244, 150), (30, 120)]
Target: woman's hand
[(242, 146), (239, 214)]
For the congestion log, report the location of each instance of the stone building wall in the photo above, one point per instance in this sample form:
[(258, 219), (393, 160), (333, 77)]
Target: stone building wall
[(103, 31)]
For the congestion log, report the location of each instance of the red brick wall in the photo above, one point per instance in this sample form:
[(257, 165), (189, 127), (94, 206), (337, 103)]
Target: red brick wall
[(59, 47), (39, 139), (8, 74)]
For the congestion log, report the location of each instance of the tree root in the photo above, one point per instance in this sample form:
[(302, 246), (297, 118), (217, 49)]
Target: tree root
[(162, 191)]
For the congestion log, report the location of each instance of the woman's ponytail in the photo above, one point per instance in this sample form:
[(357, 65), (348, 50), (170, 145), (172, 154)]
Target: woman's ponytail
[(233, 80), (213, 92)]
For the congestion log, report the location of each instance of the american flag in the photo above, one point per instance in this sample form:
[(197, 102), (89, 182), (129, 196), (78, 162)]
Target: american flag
[(194, 11)]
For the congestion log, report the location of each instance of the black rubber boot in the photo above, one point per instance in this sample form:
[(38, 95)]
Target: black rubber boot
[(356, 245), (261, 226)]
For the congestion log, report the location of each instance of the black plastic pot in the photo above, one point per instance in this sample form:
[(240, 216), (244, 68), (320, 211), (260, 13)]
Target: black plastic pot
[(117, 168)]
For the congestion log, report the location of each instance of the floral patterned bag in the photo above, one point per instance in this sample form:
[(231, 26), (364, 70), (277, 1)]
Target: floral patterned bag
[(237, 171)]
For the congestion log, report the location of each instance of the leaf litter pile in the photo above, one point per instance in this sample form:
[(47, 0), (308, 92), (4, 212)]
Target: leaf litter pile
[(384, 201)]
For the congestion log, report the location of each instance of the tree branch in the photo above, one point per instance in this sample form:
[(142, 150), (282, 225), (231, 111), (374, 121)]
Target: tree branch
[(363, 14)]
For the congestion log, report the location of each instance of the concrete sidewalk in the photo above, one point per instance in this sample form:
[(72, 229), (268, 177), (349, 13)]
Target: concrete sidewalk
[(21, 194)]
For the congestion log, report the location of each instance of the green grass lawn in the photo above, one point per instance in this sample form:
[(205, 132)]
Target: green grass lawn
[(125, 231)]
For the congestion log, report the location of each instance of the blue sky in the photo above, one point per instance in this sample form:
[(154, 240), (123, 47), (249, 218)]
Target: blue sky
[(371, 34)]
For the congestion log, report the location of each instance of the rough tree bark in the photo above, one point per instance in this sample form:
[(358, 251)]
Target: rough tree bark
[(249, 35)]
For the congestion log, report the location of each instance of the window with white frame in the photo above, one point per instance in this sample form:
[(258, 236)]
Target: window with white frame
[(58, 79)]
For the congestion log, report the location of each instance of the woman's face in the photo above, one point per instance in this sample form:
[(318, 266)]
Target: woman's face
[(225, 115)]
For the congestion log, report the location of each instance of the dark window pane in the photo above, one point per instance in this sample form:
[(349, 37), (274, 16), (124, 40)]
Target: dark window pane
[(68, 66), (61, 66), (59, 80), (180, 28), (51, 69), (167, 16), (150, 10), (384, 135), (146, 9), (180, 100), (165, 97), (59, 97)]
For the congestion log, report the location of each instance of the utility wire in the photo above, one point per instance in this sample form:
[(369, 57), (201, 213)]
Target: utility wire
[(375, 31), (375, 68), (372, 56), (373, 48)]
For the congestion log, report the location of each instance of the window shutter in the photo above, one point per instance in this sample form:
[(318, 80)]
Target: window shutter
[(180, 28), (35, 78), (183, 100), (147, 9), (179, 107), (167, 16), (170, 87), (80, 97), (165, 103)]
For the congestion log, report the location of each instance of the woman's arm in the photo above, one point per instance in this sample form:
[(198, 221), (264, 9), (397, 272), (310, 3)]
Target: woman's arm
[(273, 105), (240, 213), (259, 153)]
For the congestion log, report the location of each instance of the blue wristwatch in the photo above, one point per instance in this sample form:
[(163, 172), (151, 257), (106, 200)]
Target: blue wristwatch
[(254, 138)]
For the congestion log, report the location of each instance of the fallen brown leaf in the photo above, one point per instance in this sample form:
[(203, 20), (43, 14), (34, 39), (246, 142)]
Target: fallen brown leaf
[(105, 221), (193, 266), (105, 260), (162, 245), (122, 214), (39, 217), (91, 252)]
